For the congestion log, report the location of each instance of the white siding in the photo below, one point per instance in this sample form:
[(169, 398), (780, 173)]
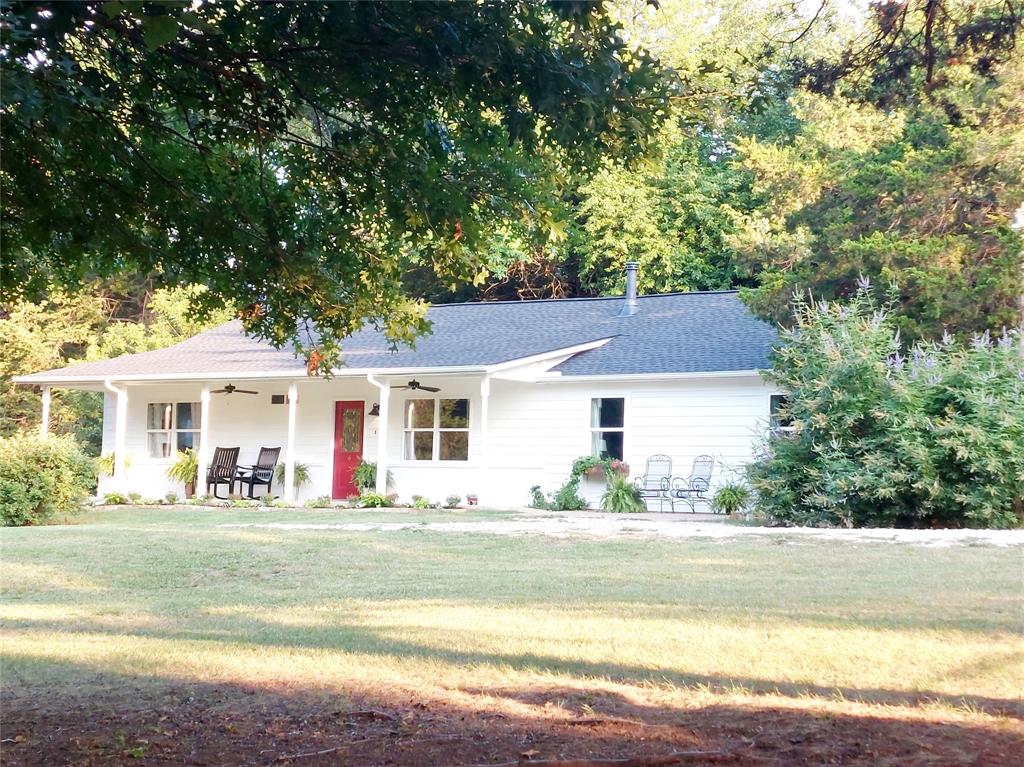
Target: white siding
[(535, 430)]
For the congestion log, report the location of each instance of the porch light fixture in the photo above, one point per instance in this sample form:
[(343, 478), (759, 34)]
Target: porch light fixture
[(375, 410)]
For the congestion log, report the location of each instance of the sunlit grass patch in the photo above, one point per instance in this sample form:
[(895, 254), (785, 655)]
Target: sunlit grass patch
[(148, 599)]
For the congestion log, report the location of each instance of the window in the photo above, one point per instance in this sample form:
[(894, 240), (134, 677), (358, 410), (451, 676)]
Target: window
[(607, 427), (779, 416), (171, 426), (436, 430)]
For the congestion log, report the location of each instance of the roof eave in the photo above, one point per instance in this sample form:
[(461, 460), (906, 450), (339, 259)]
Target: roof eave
[(560, 377)]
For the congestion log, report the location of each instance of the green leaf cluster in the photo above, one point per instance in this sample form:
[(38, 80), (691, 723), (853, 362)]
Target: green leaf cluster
[(921, 196), (40, 478), (105, 320), (621, 497), (884, 436), (296, 158)]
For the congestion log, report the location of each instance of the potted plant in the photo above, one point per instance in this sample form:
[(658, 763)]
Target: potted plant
[(621, 497), (185, 469), (590, 466), (619, 467), (364, 476), (731, 498)]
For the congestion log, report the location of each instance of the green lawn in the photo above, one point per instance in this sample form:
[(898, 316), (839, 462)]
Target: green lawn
[(149, 598)]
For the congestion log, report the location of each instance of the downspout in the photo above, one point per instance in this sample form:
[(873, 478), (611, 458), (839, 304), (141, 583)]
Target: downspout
[(381, 487), (485, 464), (120, 431)]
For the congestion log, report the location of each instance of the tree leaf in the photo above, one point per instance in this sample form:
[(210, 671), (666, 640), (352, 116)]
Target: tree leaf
[(159, 30)]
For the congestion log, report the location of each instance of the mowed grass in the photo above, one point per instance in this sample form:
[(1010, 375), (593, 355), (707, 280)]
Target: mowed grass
[(145, 599)]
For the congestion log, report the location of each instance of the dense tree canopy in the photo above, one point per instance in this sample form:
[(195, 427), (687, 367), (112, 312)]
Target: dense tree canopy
[(106, 320), (909, 197), (782, 184), (291, 156), (346, 161)]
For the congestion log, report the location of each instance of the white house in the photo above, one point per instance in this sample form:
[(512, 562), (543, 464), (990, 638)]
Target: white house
[(500, 396)]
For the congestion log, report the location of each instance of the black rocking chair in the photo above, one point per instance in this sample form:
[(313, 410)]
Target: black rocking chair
[(261, 472), (693, 489), (655, 481), (221, 470)]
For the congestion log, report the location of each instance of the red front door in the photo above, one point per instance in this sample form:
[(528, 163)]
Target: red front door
[(348, 446)]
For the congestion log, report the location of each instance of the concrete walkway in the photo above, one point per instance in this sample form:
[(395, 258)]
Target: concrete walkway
[(655, 525)]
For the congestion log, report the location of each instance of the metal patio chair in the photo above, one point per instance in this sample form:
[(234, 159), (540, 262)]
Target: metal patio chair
[(656, 479), (693, 489), (260, 473), (221, 470)]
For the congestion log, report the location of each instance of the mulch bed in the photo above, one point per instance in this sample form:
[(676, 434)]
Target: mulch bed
[(217, 725)]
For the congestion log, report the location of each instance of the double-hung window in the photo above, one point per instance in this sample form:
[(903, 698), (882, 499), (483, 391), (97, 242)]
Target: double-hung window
[(607, 427), (436, 430), (171, 426)]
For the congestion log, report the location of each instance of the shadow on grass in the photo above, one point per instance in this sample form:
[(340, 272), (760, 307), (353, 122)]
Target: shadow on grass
[(192, 722), (358, 639)]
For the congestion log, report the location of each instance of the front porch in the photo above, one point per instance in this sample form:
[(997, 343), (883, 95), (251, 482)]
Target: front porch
[(426, 442)]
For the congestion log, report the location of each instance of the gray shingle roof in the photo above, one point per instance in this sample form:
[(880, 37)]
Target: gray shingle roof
[(670, 333)]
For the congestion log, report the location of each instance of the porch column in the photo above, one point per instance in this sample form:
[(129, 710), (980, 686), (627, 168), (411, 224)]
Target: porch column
[(44, 418), (120, 432), (203, 453), (485, 400), (289, 453), (382, 439)]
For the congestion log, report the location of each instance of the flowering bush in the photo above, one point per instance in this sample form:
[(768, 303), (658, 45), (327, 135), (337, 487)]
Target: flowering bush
[(932, 437), (42, 477)]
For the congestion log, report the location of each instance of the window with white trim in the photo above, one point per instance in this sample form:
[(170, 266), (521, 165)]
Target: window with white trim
[(170, 427), (608, 427), (436, 430)]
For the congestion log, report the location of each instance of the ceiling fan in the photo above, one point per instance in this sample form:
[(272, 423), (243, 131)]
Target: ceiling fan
[(231, 389), (416, 385)]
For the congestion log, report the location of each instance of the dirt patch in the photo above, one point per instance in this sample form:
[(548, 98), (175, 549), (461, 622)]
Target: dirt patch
[(218, 725)]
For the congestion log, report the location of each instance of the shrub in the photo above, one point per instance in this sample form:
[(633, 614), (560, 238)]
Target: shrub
[(42, 477), (135, 497), (419, 502), (171, 497), (452, 501), (621, 497), (321, 502), (370, 500), (932, 436), (115, 499), (731, 498), (566, 498), (267, 499)]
